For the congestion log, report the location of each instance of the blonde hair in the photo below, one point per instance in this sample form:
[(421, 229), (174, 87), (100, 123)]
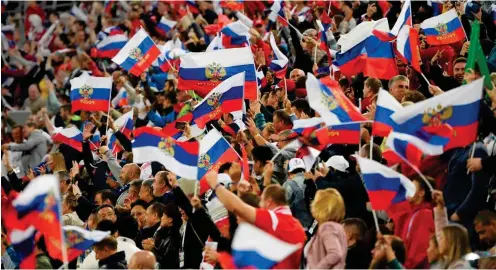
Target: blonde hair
[(58, 162), (456, 242), (328, 205)]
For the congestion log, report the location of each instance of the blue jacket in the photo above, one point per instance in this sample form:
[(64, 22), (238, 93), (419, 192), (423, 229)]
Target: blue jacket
[(161, 121)]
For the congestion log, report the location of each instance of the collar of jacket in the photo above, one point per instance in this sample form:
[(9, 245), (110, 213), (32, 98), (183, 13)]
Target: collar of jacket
[(284, 210), (125, 239)]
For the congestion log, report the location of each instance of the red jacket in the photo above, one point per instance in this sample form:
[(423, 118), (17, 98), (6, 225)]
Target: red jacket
[(414, 224), (265, 47)]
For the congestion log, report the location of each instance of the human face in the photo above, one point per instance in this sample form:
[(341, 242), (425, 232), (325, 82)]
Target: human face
[(258, 167), (399, 89), (138, 212), (50, 162), (101, 254), (418, 197), (295, 74), (487, 233), (158, 186), (277, 124), (132, 195), (166, 221), (145, 193), (459, 71), (92, 222), (17, 135), (107, 213), (33, 92), (432, 252), (151, 218), (125, 174), (27, 131), (98, 199)]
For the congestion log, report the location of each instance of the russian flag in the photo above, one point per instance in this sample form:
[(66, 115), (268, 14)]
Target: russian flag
[(225, 98), (39, 204), (214, 151), (8, 31), (279, 63), (305, 127), (23, 242), (322, 36), (112, 142), (339, 134), (437, 6), (202, 72), (244, 19), (235, 35), (95, 140), (332, 105), (71, 136), (277, 9), (191, 5), (254, 248), (125, 123), (386, 105), (168, 58), (380, 62), (352, 61), (110, 46), (410, 148), (407, 45), (138, 54), (308, 155), (79, 240), (215, 44), (181, 158), (384, 185), (458, 108), (120, 100), (233, 4), (171, 130), (108, 5), (443, 29), (165, 24), (90, 93), (405, 18)]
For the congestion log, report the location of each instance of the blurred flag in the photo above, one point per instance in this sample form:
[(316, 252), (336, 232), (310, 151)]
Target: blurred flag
[(279, 63), (71, 136), (23, 242), (79, 240), (386, 105)]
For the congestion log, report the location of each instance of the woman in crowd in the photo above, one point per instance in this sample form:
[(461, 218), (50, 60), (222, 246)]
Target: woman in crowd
[(69, 215), (56, 162)]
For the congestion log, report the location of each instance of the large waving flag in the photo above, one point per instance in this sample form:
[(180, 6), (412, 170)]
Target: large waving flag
[(338, 134), (279, 63), (254, 248), (458, 108), (78, 240), (384, 185), (380, 62), (386, 105), (235, 35), (405, 18), (408, 46), (332, 105), (39, 205), (305, 127), (202, 72), (71, 136), (352, 61), (443, 29), (110, 41), (180, 158), (125, 123), (225, 98), (138, 54), (90, 93), (23, 242), (410, 148)]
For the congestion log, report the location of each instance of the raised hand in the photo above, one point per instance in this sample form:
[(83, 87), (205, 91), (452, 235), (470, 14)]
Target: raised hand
[(87, 131)]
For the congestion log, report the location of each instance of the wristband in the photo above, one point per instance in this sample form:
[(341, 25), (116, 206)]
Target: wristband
[(216, 186)]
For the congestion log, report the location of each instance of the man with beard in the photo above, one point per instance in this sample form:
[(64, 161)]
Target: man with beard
[(485, 226)]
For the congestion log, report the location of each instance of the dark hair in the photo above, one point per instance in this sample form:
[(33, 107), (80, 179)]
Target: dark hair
[(251, 199), (16, 126), (414, 96), (302, 105), (105, 206), (460, 60), (374, 84), (299, 170), (262, 153), (376, 152), (360, 228), (107, 194), (127, 226), (66, 107), (107, 226), (136, 184), (423, 186), (485, 217), (172, 211), (107, 242), (224, 168), (157, 208), (283, 116), (162, 175), (301, 82), (171, 96), (276, 193), (139, 202), (41, 245), (399, 249)]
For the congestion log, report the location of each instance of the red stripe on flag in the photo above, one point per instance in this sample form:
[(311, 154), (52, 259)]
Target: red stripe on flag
[(146, 61), (92, 105)]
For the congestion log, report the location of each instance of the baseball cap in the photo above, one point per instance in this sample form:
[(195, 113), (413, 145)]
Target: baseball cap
[(338, 163), (296, 163)]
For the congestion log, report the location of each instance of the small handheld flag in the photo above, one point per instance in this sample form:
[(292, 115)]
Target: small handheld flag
[(90, 93)]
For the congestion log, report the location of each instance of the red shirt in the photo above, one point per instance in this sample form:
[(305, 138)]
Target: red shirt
[(281, 224)]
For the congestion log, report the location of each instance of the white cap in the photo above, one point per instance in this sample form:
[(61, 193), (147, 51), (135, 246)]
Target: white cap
[(224, 179), (296, 163), (338, 163)]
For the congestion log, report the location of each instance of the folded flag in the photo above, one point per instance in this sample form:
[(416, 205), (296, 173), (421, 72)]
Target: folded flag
[(79, 240), (384, 185), (386, 105), (443, 29), (279, 63), (215, 44), (457, 109), (71, 136), (408, 47), (202, 72), (181, 158), (308, 155), (235, 35), (39, 205), (225, 98), (90, 93), (120, 100), (276, 10), (254, 248), (23, 242), (125, 123), (338, 134), (351, 61), (332, 105), (322, 36), (166, 25), (138, 54)]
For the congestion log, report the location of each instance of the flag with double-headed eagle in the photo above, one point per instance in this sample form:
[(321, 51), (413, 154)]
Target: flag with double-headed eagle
[(78, 240), (443, 29), (90, 93), (151, 144), (202, 72), (225, 98), (138, 54)]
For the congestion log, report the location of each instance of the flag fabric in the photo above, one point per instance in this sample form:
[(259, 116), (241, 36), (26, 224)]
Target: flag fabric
[(305, 127), (78, 240), (338, 134), (457, 108), (90, 93), (279, 63), (215, 44), (386, 105), (332, 105), (245, 166), (493, 13), (276, 10), (23, 242), (95, 140), (191, 5), (168, 59), (166, 25), (181, 158), (112, 143), (125, 123), (254, 248), (202, 72), (405, 18), (120, 100), (235, 35), (358, 35), (443, 29), (224, 98), (244, 19), (384, 185), (214, 151), (138, 54), (308, 155), (171, 130), (110, 45), (39, 204), (476, 55), (352, 61), (408, 47), (437, 6), (233, 4), (380, 61), (322, 36), (411, 148), (71, 136)]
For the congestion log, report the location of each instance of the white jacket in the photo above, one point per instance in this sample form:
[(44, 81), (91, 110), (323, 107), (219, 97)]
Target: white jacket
[(123, 244)]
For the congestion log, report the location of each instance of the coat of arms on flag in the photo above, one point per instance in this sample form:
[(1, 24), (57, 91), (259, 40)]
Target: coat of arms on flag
[(215, 72), (167, 146)]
